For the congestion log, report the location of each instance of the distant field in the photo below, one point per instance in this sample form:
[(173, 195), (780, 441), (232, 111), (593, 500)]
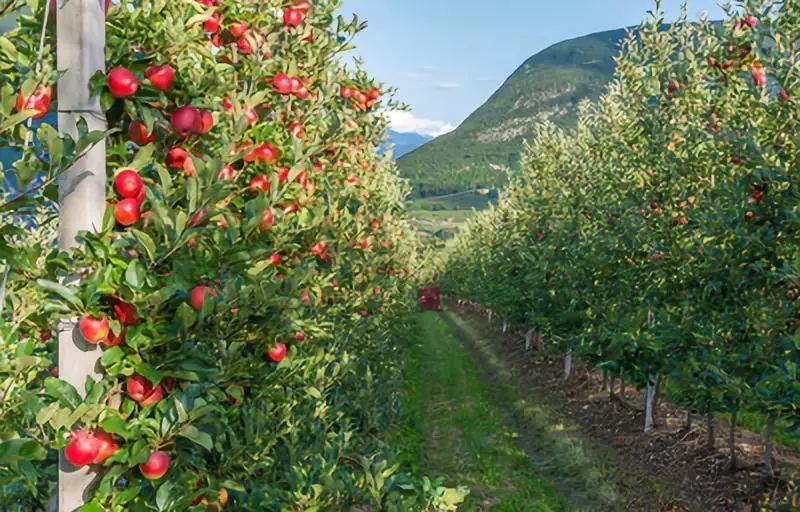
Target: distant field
[(442, 224)]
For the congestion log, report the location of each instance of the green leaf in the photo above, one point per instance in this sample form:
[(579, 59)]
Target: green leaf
[(146, 242), (112, 356), (116, 425), (186, 316), (166, 495), (17, 450), (198, 436), (62, 291), (62, 391), (135, 275)]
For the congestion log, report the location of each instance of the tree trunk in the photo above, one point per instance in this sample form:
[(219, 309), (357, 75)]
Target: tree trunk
[(611, 388), (622, 388), (688, 426), (768, 459), (649, 403), (732, 439), (528, 338), (568, 364)]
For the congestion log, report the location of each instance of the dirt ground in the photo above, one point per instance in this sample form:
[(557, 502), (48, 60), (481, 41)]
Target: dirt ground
[(700, 477)]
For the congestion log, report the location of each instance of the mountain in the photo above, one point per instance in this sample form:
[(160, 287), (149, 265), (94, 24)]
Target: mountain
[(404, 142), (490, 141)]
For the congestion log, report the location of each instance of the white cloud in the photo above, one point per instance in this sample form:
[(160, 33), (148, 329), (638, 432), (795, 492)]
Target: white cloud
[(406, 122), (448, 85)]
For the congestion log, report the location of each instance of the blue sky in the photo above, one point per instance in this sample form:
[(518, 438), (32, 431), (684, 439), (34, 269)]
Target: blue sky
[(447, 57)]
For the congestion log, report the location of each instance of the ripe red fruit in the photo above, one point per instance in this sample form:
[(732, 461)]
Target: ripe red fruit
[(128, 184), (751, 21), (259, 184), (200, 218), (125, 313), (115, 340), (238, 28), (374, 94), (122, 83), (126, 212), (277, 353), (187, 121), (176, 158), (138, 134), (784, 96), (346, 92), (265, 153), (293, 17), (106, 446), (299, 336), (82, 449), (160, 76), (275, 259), (759, 76), (282, 83), (301, 93), (267, 219), (212, 24), (226, 173), (197, 297), (142, 390), (244, 45), (251, 115), (206, 121), (297, 129), (39, 101), (283, 174), (156, 466), (94, 330)]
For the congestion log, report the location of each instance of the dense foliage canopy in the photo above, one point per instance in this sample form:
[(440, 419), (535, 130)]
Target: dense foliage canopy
[(660, 238)]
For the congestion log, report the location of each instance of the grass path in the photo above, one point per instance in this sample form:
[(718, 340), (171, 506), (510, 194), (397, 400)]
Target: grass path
[(453, 429), (469, 419)]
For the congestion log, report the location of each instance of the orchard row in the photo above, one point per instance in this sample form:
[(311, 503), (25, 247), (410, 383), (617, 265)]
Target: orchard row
[(247, 282), (659, 239)]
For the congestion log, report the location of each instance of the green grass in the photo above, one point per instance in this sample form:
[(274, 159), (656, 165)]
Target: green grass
[(444, 224), (451, 428)]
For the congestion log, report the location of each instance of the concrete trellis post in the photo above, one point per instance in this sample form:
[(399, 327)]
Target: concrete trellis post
[(81, 53)]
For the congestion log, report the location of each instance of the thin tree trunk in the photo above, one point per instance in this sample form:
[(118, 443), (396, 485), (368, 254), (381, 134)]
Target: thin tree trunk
[(768, 460), (622, 388), (649, 402), (528, 337), (612, 388), (689, 417), (732, 439), (568, 364)]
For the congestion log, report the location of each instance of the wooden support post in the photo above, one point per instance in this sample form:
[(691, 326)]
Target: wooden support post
[(81, 53)]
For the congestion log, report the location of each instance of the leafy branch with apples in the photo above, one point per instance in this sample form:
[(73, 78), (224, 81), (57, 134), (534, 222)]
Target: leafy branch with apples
[(658, 240), (247, 286)]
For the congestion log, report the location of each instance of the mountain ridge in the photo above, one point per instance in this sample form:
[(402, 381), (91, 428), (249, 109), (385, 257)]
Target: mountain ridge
[(490, 141)]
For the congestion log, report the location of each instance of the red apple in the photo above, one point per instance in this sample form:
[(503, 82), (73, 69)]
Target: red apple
[(265, 153), (211, 25), (156, 465), (161, 77), (259, 184), (115, 340), (198, 295), (206, 121), (142, 390), (126, 212), (39, 101), (125, 313), (106, 446), (282, 83), (226, 173), (267, 219), (277, 353), (293, 17), (283, 174), (93, 329), (176, 158), (187, 121), (238, 28), (297, 129), (128, 184), (122, 83), (138, 134), (82, 449), (275, 259)]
